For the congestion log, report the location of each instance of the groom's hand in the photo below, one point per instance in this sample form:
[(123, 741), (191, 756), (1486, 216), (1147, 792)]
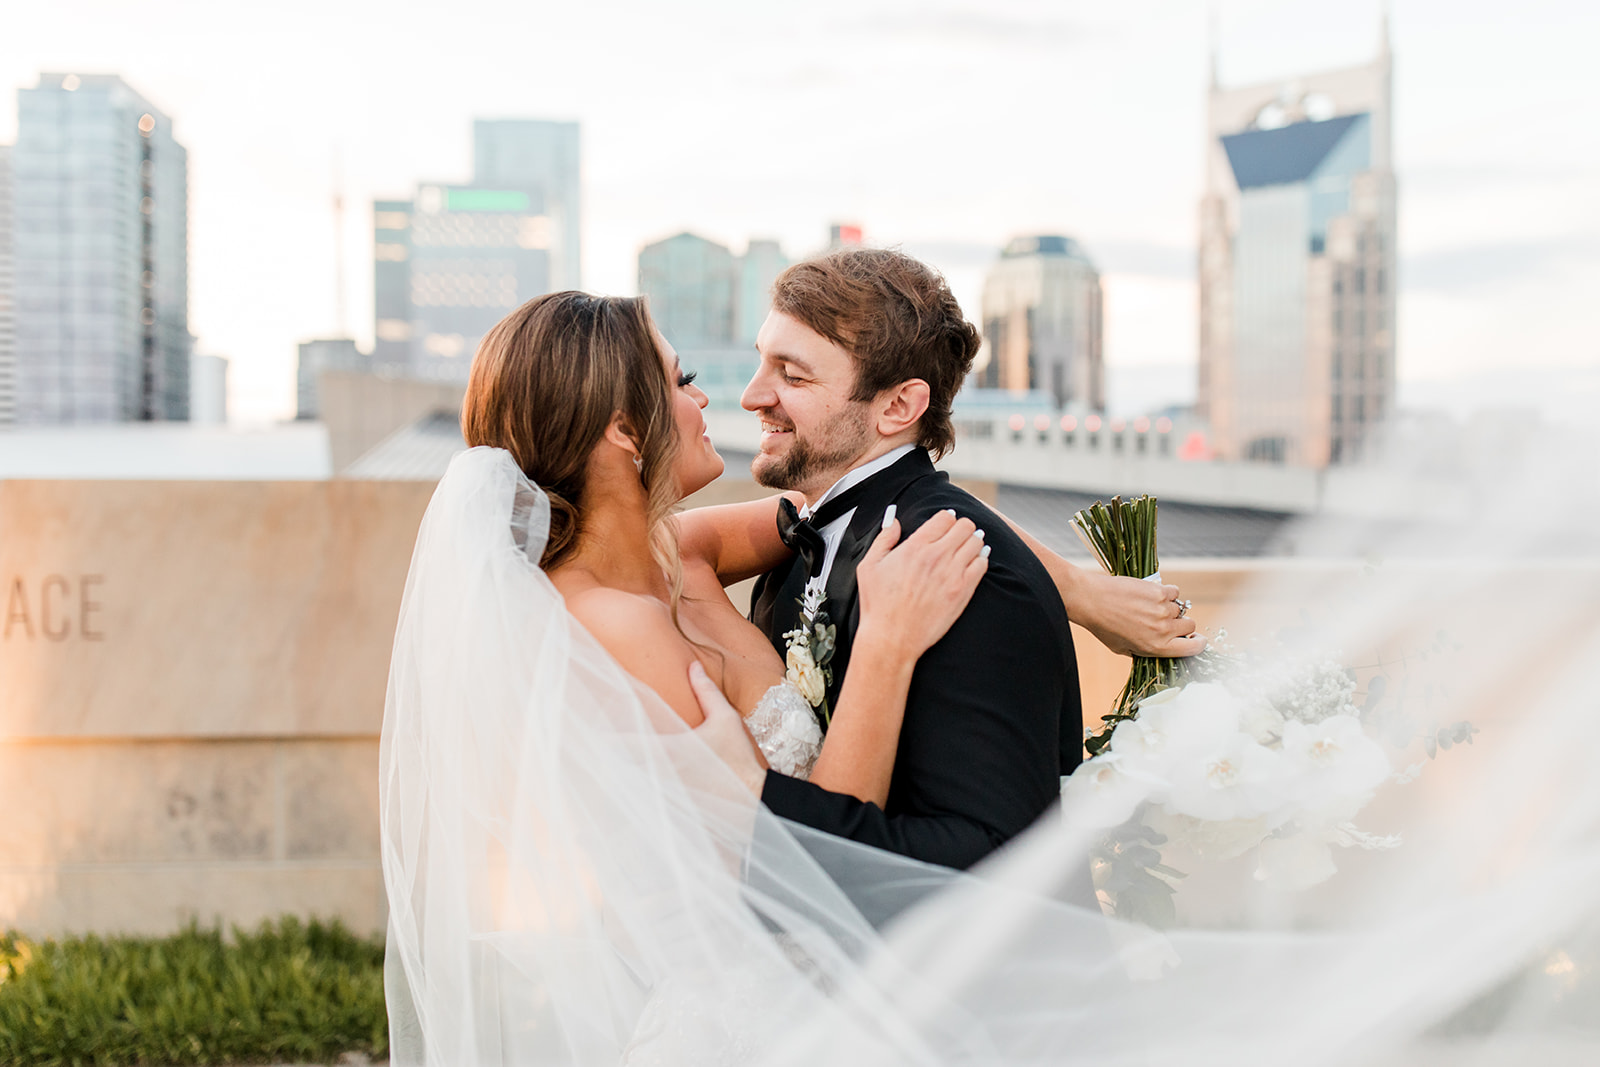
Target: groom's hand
[(724, 732), (1132, 617)]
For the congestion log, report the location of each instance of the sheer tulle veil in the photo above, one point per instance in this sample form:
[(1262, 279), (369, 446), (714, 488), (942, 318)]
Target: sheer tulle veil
[(574, 878)]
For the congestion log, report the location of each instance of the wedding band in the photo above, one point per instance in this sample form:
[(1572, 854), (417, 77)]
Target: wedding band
[(1183, 608)]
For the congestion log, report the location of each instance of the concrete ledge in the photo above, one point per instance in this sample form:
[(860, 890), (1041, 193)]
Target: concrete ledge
[(160, 898)]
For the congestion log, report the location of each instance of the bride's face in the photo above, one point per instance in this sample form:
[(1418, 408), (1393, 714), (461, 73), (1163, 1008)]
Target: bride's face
[(698, 463)]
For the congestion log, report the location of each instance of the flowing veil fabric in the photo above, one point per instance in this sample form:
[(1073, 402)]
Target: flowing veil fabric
[(574, 878)]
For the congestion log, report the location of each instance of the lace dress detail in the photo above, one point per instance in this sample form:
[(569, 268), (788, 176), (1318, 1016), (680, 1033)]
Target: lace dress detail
[(785, 726)]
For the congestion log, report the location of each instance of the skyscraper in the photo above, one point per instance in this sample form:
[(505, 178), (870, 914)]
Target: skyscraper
[(100, 254), (1042, 311), (208, 390), (1297, 258), (759, 267), (453, 260), (335, 353), (692, 284), (533, 154), (8, 320)]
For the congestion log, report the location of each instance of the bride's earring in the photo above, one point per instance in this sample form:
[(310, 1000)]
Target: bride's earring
[(638, 464)]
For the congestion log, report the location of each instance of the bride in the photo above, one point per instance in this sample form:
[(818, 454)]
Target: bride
[(574, 876)]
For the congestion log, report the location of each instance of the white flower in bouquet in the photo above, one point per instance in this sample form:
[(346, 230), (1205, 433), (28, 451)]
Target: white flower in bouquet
[(1101, 793), (1234, 778), (1334, 766), (804, 674)]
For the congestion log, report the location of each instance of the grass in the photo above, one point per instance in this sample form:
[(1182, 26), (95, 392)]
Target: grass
[(292, 991)]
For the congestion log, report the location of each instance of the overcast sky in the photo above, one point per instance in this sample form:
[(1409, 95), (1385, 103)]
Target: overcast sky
[(943, 127)]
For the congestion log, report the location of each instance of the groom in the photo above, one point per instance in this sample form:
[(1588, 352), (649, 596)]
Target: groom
[(860, 359)]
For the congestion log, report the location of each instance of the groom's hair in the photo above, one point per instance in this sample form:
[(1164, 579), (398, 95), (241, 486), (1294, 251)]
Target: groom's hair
[(896, 317)]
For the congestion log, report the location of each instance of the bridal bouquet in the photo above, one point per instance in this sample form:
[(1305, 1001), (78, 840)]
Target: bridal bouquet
[(1122, 537), (1227, 759)]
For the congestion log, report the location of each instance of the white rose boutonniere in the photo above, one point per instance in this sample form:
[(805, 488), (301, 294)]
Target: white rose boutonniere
[(809, 654)]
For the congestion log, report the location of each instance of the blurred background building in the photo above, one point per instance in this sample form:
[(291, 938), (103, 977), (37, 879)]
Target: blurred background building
[(692, 285), (710, 303), (316, 358), (208, 390), (1041, 315), (99, 255), (454, 259), (8, 321), (759, 267), (1297, 266)]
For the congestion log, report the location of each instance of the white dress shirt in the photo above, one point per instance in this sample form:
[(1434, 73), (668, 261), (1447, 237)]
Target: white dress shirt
[(833, 533)]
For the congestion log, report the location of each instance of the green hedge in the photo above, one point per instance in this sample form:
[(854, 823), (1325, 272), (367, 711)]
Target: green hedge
[(291, 991)]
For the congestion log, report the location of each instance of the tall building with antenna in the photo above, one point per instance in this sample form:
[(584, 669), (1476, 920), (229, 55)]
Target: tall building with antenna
[(100, 253), (1297, 265)]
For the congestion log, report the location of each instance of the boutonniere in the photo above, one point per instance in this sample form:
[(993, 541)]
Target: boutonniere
[(809, 655)]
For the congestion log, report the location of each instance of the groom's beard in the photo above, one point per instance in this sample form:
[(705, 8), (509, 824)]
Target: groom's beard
[(829, 453)]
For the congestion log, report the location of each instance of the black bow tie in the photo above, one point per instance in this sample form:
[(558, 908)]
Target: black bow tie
[(804, 536), (801, 536)]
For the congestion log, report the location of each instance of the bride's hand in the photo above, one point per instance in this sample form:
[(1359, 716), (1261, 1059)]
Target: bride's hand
[(912, 593)]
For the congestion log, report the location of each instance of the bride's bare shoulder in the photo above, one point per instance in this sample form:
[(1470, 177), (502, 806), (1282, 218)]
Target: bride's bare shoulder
[(638, 632)]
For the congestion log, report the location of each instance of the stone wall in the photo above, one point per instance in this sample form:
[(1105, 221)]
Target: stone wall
[(191, 685), (192, 679)]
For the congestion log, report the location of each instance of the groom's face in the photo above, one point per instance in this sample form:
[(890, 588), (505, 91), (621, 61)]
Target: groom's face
[(812, 432)]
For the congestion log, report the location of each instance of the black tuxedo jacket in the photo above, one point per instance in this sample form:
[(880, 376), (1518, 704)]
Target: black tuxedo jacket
[(993, 717)]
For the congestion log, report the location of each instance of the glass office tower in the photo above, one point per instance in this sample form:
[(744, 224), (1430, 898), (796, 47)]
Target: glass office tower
[(1297, 267), (1042, 311), (100, 253)]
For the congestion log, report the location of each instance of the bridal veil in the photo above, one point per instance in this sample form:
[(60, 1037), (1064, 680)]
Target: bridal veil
[(573, 878)]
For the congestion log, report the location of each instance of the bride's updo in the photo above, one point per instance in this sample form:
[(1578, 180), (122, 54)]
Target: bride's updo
[(545, 384)]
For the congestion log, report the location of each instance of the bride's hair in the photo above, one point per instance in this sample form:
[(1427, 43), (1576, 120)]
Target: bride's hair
[(545, 384)]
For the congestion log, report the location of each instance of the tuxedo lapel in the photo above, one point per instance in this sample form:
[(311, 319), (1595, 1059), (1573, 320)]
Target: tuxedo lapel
[(843, 603)]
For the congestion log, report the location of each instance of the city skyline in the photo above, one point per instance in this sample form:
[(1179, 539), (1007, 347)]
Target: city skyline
[(1498, 246)]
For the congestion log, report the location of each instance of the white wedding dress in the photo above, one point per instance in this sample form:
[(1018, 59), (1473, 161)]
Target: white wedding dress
[(573, 878)]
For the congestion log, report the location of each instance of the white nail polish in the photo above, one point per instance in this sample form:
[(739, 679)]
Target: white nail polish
[(888, 516), (950, 512), (983, 553), (978, 534)]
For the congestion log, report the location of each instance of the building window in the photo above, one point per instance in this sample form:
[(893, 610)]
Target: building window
[(1337, 415), (1361, 279), (1361, 409), (1377, 280)]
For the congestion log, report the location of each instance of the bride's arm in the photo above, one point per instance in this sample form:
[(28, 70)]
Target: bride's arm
[(910, 597), (1129, 616), (738, 541)]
